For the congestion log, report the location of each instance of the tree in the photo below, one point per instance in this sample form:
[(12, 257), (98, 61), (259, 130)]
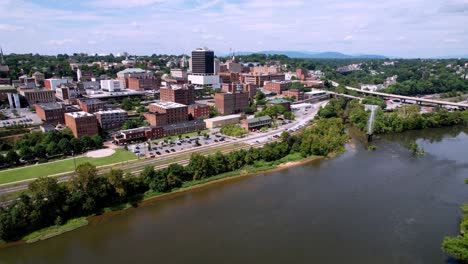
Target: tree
[(26, 153), (117, 181), (97, 140), (39, 151), (46, 188), (259, 96), (289, 116), (87, 142), (86, 179), (12, 157), (76, 145), (64, 145), (213, 111)]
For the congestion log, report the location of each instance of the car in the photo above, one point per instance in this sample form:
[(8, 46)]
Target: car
[(173, 150), (276, 136), (157, 152), (136, 151), (167, 151), (152, 156)]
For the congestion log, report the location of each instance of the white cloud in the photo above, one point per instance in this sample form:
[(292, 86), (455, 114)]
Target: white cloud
[(348, 38), (60, 42), (8, 27), (451, 40), (124, 3)]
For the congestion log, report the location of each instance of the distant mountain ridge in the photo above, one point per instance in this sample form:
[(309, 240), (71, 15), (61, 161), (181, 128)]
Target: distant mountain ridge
[(315, 55)]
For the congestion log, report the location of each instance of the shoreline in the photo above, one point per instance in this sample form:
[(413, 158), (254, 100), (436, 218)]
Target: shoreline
[(155, 197)]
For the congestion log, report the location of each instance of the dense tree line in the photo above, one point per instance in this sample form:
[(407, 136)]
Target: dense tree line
[(50, 203), (59, 65), (39, 146), (457, 246), (405, 118), (135, 122)]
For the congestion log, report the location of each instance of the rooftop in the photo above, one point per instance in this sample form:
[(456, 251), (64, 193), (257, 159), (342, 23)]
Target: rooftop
[(221, 118), (79, 114), (91, 101), (49, 106), (7, 87), (196, 105), (114, 111), (168, 105), (278, 101), (258, 119), (132, 70)]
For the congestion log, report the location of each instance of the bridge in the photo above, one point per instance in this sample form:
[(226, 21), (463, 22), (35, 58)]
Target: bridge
[(345, 95), (409, 98)]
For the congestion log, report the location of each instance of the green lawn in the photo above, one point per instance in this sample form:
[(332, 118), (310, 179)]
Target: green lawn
[(46, 169), (52, 231)]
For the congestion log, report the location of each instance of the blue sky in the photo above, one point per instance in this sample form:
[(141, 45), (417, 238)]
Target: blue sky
[(406, 28)]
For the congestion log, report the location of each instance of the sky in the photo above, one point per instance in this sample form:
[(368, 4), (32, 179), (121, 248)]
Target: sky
[(402, 28)]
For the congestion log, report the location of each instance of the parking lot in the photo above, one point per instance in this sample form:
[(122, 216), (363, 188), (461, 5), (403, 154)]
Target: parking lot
[(25, 117), (175, 145)]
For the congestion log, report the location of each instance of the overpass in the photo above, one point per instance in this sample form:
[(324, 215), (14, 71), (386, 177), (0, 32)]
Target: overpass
[(344, 95), (410, 98)]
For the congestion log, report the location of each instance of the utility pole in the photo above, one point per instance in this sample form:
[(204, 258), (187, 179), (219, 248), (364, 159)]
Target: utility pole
[(74, 162)]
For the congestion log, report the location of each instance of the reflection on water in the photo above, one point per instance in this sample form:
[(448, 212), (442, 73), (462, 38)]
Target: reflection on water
[(385, 206)]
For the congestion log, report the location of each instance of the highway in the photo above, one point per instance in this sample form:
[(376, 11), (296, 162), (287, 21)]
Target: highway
[(263, 138), (402, 97)]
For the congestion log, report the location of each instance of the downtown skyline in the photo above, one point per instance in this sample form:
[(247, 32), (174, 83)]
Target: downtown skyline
[(398, 28)]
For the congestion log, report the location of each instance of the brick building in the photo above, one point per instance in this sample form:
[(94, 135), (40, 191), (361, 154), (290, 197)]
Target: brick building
[(34, 96), (250, 88), (175, 112), (259, 79), (111, 119), (301, 74), (229, 77), (294, 93), (276, 87), (81, 123), (139, 134), (178, 94), (231, 103), (197, 111), (138, 79), (91, 105), (52, 113), (156, 119), (142, 84)]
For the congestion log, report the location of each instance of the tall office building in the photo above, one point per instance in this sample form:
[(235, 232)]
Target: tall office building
[(203, 61), (203, 68)]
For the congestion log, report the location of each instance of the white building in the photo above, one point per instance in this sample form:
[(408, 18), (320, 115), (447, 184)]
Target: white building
[(205, 80), (112, 85)]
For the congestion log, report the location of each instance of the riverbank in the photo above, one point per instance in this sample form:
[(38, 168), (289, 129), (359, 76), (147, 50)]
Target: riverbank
[(257, 168)]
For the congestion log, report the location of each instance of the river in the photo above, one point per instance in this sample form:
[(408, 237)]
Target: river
[(385, 206)]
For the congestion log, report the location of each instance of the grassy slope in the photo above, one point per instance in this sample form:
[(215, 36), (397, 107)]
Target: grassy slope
[(52, 231), (61, 166)]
